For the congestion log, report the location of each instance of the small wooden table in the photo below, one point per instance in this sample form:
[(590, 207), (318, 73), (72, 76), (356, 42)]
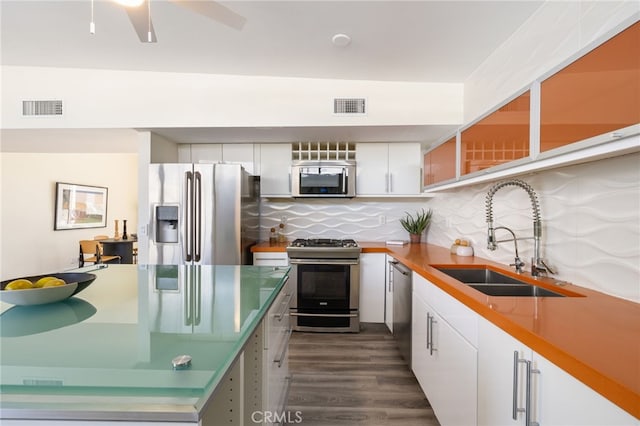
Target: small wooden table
[(120, 247)]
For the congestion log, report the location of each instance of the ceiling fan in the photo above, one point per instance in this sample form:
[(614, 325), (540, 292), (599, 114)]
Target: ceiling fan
[(139, 12)]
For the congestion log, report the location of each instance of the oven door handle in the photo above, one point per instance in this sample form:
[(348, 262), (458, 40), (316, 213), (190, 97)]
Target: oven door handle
[(299, 314), (324, 261)]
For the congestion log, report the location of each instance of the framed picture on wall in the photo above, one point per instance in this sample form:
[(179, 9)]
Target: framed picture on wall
[(80, 206)]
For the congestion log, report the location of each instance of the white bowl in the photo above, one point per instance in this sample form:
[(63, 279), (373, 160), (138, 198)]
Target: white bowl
[(464, 251), (38, 296)]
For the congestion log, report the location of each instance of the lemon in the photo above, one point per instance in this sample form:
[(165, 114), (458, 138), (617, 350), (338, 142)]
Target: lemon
[(20, 284), (41, 282), (54, 283)]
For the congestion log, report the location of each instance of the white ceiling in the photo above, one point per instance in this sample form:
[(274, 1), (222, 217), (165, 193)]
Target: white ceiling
[(424, 41)]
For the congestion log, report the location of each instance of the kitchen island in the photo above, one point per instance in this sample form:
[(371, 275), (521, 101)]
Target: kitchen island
[(106, 354)]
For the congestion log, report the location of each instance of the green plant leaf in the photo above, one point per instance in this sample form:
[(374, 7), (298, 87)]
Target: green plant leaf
[(417, 224)]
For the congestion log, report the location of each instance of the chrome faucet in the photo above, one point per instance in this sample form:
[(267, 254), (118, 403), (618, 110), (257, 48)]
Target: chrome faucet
[(517, 263), (538, 265)]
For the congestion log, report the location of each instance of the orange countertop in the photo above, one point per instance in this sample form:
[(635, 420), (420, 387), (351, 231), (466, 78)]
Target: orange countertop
[(593, 336), (269, 247)]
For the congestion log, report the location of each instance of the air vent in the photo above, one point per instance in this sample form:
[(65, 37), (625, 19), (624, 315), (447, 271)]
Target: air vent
[(349, 106), (41, 108)]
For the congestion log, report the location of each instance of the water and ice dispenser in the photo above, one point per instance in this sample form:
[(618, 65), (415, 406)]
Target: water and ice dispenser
[(167, 224)]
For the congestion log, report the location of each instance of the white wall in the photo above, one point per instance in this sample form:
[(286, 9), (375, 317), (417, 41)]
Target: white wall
[(140, 99), (554, 34), (29, 245)]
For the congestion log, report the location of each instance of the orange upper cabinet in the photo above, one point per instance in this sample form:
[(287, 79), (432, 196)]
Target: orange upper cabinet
[(596, 94), (440, 163), (500, 137)]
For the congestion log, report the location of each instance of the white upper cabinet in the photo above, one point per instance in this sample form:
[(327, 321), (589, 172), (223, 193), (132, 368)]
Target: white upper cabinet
[(200, 152), (275, 170), (388, 169), (242, 153)]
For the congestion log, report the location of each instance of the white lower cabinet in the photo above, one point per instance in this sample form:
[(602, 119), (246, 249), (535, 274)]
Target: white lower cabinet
[(373, 269), (555, 397), (268, 258), (443, 360), (276, 379)]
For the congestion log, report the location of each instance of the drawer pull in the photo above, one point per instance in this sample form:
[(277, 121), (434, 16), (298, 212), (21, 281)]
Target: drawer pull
[(283, 351), (285, 307)]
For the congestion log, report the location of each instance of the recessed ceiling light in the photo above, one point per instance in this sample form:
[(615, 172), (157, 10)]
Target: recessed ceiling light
[(341, 40), (130, 3)]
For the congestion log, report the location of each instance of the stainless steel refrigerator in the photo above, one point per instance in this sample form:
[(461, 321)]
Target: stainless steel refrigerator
[(204, 214)]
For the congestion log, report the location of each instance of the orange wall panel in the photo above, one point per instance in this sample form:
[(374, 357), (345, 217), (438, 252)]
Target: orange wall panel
[(596, 94), (500, 137)]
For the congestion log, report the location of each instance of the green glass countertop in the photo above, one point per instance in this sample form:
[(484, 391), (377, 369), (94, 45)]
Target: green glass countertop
[(106, 353)]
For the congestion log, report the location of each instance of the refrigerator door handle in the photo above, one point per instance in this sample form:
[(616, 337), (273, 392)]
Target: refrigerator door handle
[(188, 212), (188, 298), (197, 246), (197, 309)]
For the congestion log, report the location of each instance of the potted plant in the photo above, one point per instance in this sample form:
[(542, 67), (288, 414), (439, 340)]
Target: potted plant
[(415, 226)]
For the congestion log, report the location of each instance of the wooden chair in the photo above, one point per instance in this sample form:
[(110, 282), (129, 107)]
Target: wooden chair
[(91, 251)]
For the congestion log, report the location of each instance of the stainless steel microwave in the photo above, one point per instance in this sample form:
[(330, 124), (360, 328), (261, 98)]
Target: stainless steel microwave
[(323, 179)]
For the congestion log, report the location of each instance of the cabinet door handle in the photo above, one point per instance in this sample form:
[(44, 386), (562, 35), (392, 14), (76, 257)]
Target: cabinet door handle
[(431, 348), (528, 404), (515, 410), (528, 379), (428, 330)]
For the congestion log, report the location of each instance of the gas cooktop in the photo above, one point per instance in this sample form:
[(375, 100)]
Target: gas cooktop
[(323, 248), (323, 242)]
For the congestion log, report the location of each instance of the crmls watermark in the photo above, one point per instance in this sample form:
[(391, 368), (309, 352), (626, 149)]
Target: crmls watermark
[(270, 417)]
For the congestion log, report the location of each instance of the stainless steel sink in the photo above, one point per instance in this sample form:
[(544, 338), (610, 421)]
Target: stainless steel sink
[(519, 290), (479, 276), (494, 283)]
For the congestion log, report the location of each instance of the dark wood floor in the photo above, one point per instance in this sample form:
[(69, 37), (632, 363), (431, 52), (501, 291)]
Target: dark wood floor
[(354, 379)]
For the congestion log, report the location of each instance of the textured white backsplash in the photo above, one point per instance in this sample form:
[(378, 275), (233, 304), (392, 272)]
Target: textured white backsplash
[(362, 219), (590, 215)]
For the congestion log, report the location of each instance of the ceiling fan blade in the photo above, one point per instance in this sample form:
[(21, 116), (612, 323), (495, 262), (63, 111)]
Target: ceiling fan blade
[(139, 17), (215, 11)]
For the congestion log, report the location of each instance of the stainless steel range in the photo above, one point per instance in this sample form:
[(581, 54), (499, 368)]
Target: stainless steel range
[(326, 284)]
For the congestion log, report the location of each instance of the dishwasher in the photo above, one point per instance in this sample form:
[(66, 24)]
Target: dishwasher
[(402, 308)]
